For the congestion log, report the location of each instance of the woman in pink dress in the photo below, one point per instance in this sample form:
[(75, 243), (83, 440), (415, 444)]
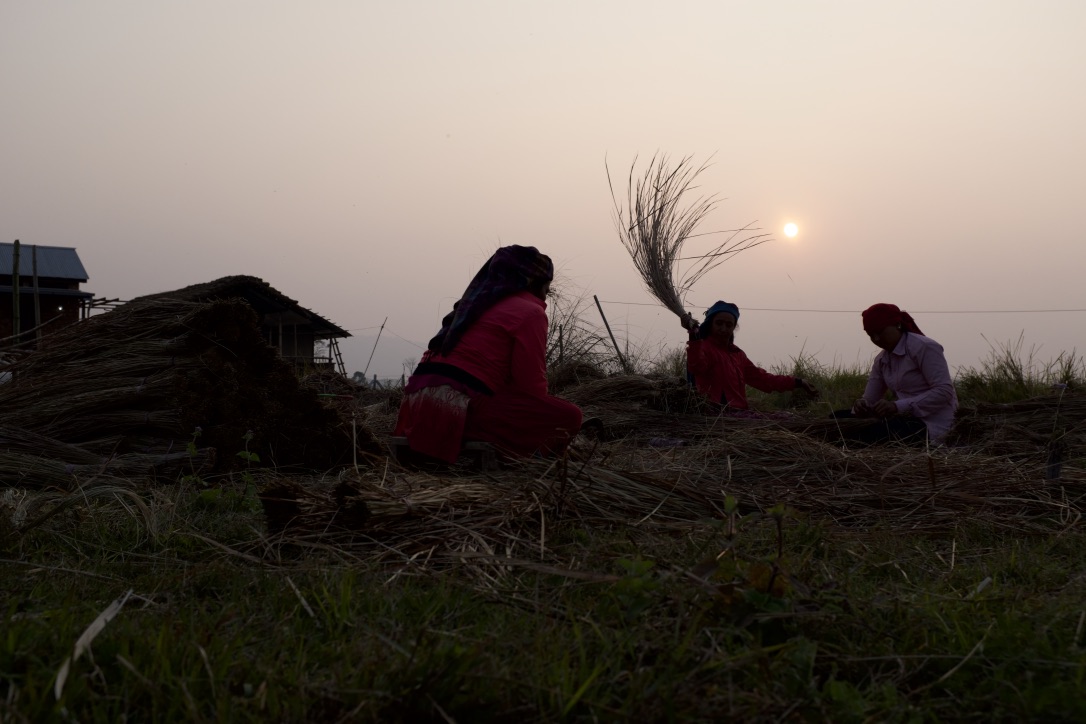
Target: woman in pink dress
[(484, 375), (720, 370)]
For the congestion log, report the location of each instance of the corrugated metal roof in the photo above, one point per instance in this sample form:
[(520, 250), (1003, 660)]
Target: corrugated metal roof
[(57, 262)]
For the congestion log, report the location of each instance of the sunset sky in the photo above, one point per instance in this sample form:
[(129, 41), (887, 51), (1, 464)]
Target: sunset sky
[(366, 158)]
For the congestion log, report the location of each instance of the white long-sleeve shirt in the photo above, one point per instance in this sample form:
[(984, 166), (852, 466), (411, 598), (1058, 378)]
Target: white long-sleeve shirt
[(918, 374)]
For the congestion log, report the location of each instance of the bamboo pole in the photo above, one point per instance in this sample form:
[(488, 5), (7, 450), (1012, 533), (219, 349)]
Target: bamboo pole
[(621, 359), (382, 329), (16, 313), (37, 298)]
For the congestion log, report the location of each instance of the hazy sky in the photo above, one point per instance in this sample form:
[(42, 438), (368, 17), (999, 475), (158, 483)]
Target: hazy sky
[(365, 158)]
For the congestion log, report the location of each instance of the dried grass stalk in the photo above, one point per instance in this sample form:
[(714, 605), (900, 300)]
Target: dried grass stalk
[(655, 224)]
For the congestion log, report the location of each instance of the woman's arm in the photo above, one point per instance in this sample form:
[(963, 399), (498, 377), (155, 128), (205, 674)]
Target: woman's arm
[(759, 379), (528, 367), (876, 385)]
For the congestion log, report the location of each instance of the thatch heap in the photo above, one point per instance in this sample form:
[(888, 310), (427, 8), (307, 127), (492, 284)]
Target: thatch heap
[(261, 296), (164, 371), (406, 514), (1058, 419), (662, 462)]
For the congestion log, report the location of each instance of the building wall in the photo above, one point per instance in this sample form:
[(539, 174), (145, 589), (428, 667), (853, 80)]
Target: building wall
[(61, 310), (298, 344), (26, 282)]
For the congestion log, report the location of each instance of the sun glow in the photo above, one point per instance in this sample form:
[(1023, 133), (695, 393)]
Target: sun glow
[(790, 230)]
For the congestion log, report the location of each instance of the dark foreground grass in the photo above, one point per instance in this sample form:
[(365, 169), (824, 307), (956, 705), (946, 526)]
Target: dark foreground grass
[(739, 619)]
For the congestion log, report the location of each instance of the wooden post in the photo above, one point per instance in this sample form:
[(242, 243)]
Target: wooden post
[(37, 299), (354, 439), (625, 367), (382, 329), (16, 313)]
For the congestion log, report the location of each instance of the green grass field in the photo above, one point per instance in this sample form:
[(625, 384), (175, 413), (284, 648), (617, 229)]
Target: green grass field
[(757, 615)]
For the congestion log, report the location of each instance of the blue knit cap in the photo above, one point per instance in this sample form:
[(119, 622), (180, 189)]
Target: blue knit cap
[(706, 326)]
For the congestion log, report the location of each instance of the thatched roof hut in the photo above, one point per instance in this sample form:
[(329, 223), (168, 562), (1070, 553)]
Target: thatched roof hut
[(286, 325)]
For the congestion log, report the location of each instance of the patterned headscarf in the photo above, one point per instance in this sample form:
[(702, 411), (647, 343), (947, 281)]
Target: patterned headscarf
[(706, 327), (878, 317), (510, 270)]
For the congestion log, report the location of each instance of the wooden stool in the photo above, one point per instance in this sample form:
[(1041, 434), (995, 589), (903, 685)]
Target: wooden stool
[(482, 454)]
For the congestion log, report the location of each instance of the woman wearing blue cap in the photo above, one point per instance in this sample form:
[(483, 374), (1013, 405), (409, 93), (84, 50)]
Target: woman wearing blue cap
[(720, 370)]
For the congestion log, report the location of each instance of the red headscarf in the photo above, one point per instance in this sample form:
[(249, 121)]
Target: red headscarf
[(878, 317)]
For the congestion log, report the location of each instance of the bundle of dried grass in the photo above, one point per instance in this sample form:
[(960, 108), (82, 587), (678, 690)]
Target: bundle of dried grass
[(619, 388), (634, 479), (17, 440), (404, 514), (1038, 421), (33, 471), (290, 506), (561, 377), (655, 224), (670, 407), (893, 487), (35, 461), (22, 512), (147, 376)]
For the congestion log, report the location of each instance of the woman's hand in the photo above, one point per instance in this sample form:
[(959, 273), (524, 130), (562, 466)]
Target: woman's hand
[(884, 408), (807, 386), (690, 324), (861, 408)]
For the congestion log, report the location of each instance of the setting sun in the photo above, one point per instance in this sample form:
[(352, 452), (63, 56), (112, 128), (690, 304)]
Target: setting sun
[(790, 230)]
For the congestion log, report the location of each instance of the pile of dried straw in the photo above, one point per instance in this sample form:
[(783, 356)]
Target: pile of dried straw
[(635, 480), (153, 376)]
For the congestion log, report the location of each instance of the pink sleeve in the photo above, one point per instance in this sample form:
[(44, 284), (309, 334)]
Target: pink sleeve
[(529, 363), (876, 382)]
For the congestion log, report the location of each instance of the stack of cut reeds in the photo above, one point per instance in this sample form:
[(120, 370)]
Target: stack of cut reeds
[(159, 373), (396, 512), (1025, 424), (630, 480)]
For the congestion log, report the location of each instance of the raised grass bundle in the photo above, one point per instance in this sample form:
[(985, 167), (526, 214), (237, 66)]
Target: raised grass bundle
[(656, 468), (34, 471), (626, 482), (619, 388), (177, 371), (1059, 417), (400, 514), (656, 222)]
